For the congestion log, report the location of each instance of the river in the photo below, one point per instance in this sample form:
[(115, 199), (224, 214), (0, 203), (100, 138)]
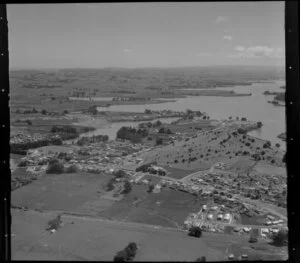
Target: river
[(254, 108)]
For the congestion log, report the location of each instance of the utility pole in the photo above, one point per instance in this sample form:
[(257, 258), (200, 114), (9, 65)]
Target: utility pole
[(5, 218)]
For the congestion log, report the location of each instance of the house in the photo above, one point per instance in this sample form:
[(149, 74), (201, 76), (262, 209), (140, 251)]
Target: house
[(220, 216), (209, 216)]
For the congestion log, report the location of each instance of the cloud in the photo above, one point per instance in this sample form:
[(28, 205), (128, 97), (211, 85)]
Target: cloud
[(221, 19), (258, 52), (227, 38), (127, 50)]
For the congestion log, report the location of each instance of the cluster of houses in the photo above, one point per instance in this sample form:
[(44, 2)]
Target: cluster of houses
[(21, 137), (209, 218)]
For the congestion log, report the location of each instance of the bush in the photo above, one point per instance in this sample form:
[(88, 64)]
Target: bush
[(127, 254), (201, 259), (131, 250), (110, 185), (121, 256), (281, 238), (127, 187), (72, 169), (44, 112), (253, 235), (120, 174), (55, 168), (241, 131), (150, 188), (22, 164), (159, 141), (29, 122), (195, 231)]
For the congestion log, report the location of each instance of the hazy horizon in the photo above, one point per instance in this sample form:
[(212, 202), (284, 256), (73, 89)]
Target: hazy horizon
[(146, 35)]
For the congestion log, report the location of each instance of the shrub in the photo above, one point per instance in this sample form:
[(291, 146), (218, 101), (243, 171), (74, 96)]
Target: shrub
[(253, 235), (195, 231), (241, 131), (120, 174), (159, 141), (131, 250), (127, 187), (150, 188), (72, 169), (22, 164), (121, 256), (259, 124), (201, 259), (281, 238), (110, 185), (127, 254), (44, 112), (55, 168), (29, 122)]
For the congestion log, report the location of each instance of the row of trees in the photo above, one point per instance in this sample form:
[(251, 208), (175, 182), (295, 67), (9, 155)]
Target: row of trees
[(132, 134), (34, 111), (93, 139), (21, 148)]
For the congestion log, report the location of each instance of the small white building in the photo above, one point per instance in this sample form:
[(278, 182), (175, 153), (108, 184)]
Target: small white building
[(209, 216)]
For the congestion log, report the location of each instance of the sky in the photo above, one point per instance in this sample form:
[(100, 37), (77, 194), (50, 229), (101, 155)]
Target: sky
[(133, 35)]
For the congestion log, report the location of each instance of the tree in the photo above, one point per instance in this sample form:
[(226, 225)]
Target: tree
[(150, 188), (127, 187), (55, 168), (131, 250), (259, 124), (195, 231), (241, 131), (29, 122), (121, 256), (277, 145), (120, 174), (201, 259), (253, 235), (110, 184), (158, 123), (280, 238), (127, 254), (159, 141)]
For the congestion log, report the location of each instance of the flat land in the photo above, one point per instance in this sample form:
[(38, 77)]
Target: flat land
[(78, 193), (83, 238)]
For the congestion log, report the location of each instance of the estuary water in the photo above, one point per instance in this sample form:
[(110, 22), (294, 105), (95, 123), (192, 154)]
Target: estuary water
[(254, 108)]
